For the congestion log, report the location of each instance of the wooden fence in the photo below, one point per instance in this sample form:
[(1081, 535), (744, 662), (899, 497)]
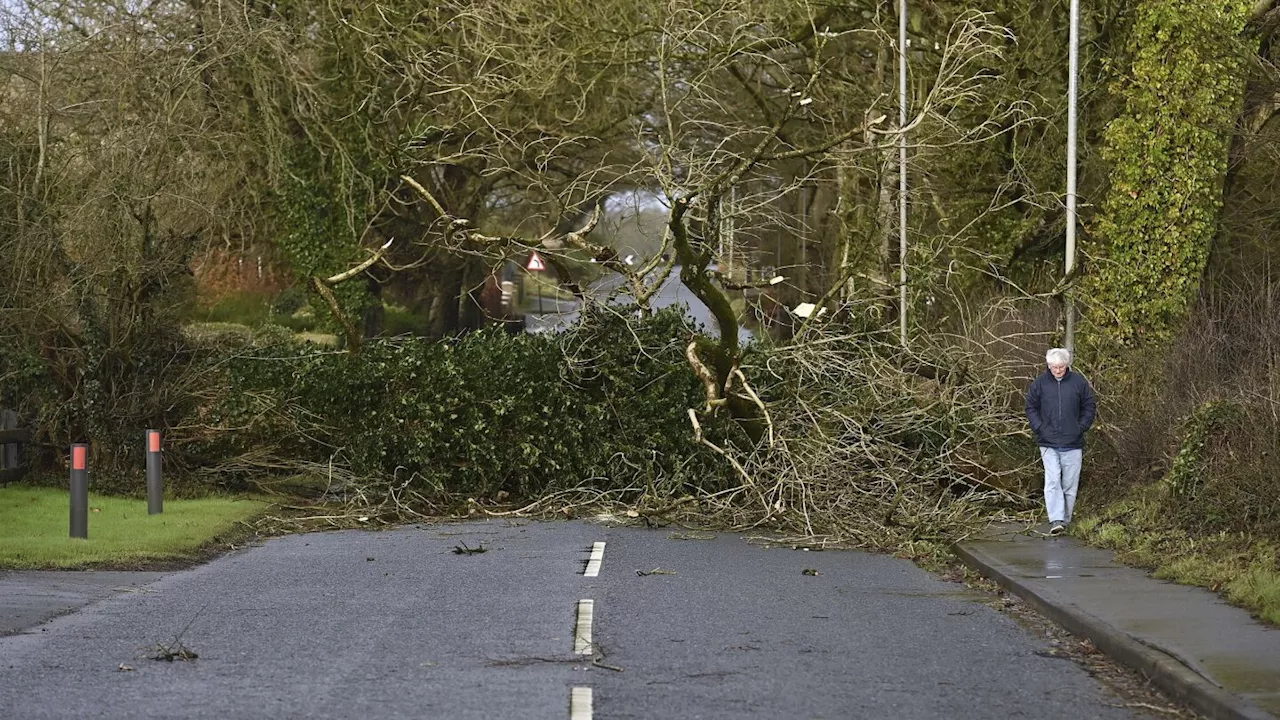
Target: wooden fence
[(11, 467)]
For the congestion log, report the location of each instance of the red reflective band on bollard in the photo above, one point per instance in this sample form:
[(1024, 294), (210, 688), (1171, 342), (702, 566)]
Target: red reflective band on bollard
[(79, 492), (153, 441)]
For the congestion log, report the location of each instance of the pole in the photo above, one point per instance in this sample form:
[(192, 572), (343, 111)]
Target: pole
[(803, 275), (729, 234), (1072, 92), (155, 478), (902, 172), (9, 421), (79, 491)]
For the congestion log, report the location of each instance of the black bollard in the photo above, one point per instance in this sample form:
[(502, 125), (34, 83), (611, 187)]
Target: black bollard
[(79, 491), (155, 480)]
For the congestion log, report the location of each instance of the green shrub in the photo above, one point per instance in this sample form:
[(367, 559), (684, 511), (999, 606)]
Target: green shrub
[(289, 301), (218, 335), (1223, 477), (484, 413)]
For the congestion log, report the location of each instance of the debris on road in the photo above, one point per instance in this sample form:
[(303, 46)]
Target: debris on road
[(169, 653), (462, 549), (691, 536), (176, 650)]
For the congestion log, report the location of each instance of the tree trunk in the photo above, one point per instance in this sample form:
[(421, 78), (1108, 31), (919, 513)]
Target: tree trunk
[(444, 306), (373, 319), (471, 312)]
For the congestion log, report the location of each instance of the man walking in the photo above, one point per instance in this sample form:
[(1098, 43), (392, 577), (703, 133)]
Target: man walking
[(1061, 408)]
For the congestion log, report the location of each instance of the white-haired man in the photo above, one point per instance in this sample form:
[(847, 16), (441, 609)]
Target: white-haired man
[(1061, 408)]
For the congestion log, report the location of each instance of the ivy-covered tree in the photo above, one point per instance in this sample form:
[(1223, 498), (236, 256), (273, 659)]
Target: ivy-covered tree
[(1168, 157)]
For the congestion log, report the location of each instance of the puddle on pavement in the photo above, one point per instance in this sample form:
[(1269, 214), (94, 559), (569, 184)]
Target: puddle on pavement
[(1054, 569)]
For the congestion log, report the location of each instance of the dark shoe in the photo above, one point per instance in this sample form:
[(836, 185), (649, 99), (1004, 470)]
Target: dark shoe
[(1057, 529)]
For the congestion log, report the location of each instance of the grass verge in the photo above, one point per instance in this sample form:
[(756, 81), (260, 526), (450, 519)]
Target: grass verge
[(34, 528), (1242, 568)]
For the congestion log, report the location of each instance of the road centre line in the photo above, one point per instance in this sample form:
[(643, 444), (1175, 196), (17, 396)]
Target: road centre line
[(582, 630), (580, 703), (597, 557)]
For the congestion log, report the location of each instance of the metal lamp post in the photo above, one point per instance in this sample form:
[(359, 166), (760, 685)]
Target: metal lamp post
[(902, 172), (1072, 91)]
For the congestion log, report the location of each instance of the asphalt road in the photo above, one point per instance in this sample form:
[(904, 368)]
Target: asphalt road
[(396, 625), (557, 316)]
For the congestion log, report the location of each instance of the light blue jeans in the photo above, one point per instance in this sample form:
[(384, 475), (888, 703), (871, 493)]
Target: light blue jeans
[(1061, 478)]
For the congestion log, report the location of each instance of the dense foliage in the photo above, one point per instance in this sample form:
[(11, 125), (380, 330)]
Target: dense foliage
[(1168, 157), (1222, 477), (482, 414)]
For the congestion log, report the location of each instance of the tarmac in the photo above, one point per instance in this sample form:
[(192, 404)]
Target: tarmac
[(1212, 656), (29, 598)]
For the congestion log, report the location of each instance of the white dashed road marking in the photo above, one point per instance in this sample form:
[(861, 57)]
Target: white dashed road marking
[(580, 697), (580, 703), (597, 557), (582, 631)]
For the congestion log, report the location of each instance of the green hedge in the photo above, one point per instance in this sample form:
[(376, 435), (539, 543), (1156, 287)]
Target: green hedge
[(479, 414)]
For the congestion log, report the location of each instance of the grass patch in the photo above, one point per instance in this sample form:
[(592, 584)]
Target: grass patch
[(1112, 535), (399, 320), (1241, 567), (240, 307), (1259, 587), (326, 339), (34, 528), (253, 309)]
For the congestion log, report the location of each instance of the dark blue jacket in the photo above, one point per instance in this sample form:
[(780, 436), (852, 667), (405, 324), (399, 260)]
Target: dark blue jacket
[(1061, 411)]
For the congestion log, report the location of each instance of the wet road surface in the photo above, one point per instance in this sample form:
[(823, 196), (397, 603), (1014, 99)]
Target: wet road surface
[(396, 624)]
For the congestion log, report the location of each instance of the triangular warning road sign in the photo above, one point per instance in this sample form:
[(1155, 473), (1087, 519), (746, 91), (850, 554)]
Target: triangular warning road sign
[(536, 263)]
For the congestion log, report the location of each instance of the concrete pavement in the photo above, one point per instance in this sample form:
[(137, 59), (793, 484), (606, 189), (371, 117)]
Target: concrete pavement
[(1197, 648)]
